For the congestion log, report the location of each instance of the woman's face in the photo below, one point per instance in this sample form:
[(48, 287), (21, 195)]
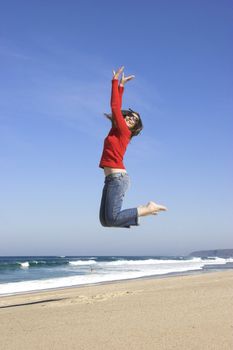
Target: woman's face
[(131, 120)]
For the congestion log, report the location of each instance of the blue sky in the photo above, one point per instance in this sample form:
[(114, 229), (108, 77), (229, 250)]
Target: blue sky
[(56, 62)]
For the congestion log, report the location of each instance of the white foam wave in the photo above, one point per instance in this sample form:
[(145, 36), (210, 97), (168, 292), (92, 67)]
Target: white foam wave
[(112, 271), (27, 286), (219, 260), (227, 260), (196, 259), (151, 262), (82, 262), (24, 265)]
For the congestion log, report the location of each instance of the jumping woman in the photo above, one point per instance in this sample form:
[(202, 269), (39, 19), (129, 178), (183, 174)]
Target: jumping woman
[(125, 125)]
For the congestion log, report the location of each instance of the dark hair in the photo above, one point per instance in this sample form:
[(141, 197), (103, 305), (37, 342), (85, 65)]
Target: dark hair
[(137, 128)]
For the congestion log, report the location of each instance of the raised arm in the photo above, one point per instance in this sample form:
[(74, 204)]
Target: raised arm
[(116, 99), (121, 86), (120, 92), (116, 107)]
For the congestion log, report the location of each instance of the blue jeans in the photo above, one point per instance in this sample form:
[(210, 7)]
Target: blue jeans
[(111, 215)]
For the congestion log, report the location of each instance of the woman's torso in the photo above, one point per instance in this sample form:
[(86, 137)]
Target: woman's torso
[(115, 145)]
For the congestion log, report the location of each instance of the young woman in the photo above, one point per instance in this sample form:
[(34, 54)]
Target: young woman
[(125, 125)]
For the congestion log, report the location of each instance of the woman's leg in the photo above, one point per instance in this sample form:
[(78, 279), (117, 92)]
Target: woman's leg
[(117, 184), (113, 194)]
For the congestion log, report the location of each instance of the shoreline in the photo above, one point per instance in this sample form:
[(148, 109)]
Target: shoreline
[(191, 311), (161, 276), (116, 282)]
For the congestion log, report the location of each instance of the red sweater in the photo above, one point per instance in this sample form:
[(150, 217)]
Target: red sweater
[(116, 142)]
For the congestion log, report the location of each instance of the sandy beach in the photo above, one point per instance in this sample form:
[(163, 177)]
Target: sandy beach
[(178, 312)]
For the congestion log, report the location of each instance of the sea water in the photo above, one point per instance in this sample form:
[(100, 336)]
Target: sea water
[(32, 273)]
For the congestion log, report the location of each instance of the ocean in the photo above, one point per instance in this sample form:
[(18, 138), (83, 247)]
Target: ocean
[(21, 274)]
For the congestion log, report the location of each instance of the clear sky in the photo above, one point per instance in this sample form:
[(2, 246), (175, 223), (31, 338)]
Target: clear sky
[(56, 61)]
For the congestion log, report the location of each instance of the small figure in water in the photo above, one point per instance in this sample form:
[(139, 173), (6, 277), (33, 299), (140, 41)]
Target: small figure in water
[(125, 125)]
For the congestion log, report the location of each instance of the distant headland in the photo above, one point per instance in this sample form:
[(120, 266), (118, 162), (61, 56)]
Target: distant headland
[(221, 253)]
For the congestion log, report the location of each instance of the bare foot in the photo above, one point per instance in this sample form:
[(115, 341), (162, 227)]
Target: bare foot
[(155, 208), (150, 209)]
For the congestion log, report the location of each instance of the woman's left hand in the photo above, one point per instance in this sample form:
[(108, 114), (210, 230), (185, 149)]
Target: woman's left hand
[(126, 79)]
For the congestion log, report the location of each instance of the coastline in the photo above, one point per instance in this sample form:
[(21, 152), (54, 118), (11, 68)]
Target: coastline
[(39, 273), (188, 311), (157, 276)]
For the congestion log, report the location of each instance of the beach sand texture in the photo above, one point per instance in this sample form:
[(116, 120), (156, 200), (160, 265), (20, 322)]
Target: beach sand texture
[(178, 312)]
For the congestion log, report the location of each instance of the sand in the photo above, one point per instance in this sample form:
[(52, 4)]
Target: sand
[(181, 312)]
